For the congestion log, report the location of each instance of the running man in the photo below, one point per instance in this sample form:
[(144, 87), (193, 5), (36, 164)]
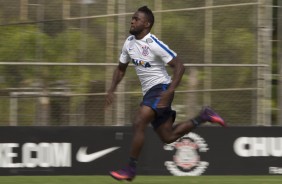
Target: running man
[(150, 55)]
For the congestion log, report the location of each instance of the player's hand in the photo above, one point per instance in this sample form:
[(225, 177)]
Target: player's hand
[(109, 99), (165, 99)]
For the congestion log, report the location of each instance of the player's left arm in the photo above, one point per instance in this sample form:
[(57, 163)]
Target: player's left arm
[(178, 71)]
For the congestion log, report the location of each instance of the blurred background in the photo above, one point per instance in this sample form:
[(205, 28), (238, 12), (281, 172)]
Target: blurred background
[(57, 59)]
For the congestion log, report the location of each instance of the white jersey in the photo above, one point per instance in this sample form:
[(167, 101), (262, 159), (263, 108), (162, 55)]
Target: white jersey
[(149, 55)]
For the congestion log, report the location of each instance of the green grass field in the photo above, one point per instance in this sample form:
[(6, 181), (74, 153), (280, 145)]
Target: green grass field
[(141, 180)]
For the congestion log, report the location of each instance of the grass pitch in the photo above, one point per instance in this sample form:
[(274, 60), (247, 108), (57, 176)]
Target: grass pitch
[(141, 180)]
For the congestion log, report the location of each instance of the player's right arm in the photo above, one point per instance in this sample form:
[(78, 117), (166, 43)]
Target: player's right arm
[(119, 72), (117, 77)]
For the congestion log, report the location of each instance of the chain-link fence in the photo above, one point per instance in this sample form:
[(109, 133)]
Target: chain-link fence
[(57, 59)]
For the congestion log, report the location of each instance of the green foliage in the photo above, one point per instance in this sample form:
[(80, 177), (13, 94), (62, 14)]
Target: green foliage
[(29, 44), (84, 40)]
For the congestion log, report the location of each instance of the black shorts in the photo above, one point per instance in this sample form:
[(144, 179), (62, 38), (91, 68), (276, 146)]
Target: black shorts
[(152, 98)]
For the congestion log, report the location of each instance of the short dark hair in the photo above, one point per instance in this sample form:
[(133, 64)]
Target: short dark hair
[(149, 14)]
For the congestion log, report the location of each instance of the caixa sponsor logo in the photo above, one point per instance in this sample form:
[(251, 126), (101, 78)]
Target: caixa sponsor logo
[(186, 160), (30, 155), (139, 62), (258, 146)]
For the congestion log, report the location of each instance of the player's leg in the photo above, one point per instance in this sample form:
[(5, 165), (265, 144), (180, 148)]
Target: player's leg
[(169, 133), (143, 117)]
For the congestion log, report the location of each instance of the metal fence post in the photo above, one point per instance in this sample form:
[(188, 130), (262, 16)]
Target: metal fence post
[(158, 19), (279, 60), (109, 55), (24, 10), (264, 57), (208, 50), (120, 110)]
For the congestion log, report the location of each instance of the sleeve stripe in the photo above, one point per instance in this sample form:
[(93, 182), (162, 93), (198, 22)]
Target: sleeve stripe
[(163, 46)]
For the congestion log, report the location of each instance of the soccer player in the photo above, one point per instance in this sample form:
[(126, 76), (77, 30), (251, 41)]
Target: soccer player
[(150, 55)]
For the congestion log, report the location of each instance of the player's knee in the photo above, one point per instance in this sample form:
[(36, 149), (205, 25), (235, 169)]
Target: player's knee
[(138, 124)]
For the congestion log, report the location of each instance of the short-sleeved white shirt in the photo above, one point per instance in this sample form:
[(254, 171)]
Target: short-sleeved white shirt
[(149, 55)]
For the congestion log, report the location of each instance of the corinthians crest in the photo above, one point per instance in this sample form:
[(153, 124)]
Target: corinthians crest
[(145, 50), (186, 155), (186, 160)]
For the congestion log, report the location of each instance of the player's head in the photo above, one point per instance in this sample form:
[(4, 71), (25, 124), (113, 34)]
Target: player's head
[(149, 14), (142, 21)]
